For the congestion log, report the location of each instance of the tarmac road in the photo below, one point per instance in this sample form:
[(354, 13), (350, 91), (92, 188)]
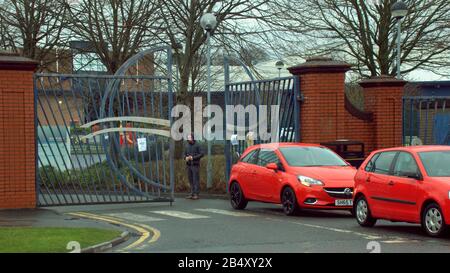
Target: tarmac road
[(211, 225)]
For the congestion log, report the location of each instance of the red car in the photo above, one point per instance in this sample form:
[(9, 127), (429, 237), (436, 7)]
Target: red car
[(408, 184), (293, 174)]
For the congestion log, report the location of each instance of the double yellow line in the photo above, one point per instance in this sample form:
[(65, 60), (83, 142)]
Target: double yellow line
[(143, 230)]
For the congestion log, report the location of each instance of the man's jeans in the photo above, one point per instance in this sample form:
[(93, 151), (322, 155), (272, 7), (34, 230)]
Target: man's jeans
[(194, 178)]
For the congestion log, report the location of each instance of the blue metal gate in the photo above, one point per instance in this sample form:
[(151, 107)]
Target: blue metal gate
[(282, 92), (426, 120), (105, 138)]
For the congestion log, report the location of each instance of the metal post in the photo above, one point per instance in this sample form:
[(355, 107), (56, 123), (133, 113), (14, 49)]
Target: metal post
[(399, 35), (227, 142), (209, 167), (171, 141)]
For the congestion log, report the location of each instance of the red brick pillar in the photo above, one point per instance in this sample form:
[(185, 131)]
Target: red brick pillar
[(383, 97), (17, 133), (322, 111)]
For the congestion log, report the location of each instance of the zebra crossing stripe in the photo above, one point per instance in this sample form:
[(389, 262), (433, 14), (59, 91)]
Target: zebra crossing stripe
[(134, 217), (180, 214), (226, 212)]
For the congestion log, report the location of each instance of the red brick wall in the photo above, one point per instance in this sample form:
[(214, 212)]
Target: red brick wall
[(361, 130), (383, 97), (322, 112), (324, 115), (17, 135)]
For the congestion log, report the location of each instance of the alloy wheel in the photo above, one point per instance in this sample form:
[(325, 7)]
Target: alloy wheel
[(288, 201), (362, 210), (433, 220), (235, 194)]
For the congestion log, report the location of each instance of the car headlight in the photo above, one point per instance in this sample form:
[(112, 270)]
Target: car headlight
[(308, 181)]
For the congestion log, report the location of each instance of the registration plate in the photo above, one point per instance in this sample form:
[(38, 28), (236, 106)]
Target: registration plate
[(343, 203)]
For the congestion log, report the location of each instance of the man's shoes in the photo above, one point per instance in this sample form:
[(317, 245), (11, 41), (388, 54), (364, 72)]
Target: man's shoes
[(189, 196), (195, 197)]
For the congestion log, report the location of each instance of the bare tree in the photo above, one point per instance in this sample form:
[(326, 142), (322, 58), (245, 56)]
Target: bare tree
[(116, 29), (363, 32), (182, 27), (182, 30), (32, 28)]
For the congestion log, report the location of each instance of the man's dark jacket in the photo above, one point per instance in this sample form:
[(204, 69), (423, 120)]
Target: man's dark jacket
[(195, 151)]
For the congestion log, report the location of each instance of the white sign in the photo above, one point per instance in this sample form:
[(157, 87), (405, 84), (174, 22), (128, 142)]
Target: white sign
[(234, 140), (142, 144)]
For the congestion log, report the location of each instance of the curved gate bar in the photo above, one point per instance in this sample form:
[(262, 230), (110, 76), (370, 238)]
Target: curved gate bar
[(110, 92), (247, 71), (164, 133), (156, 121)]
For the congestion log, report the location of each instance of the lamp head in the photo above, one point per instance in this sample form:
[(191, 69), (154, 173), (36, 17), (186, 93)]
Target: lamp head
[(399, 10), (279, 65), (208, 21)]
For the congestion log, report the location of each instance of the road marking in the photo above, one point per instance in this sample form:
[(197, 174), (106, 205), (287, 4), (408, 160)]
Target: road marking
[(156, 233), (399, 241), (144, 233), (364, 235), (180, 214), (134, 217), (227, 212)]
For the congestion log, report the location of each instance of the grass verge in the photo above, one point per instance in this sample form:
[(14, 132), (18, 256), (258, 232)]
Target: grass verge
[(50, 239)]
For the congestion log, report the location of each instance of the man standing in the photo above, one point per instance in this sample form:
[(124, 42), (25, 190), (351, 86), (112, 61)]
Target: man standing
[(192, 155)]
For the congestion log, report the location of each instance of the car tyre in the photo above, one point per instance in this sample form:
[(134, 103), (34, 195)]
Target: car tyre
[(237, 198), (433, 222), (362, 213), (289, 202)]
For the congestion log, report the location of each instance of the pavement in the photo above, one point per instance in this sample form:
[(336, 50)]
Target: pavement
[(211, 225), (46, 217)]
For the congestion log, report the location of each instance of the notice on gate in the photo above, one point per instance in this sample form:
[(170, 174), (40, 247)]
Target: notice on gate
[(142, 144)]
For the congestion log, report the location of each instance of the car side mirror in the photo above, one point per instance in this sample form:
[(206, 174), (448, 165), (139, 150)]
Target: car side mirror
[(413, 175), (272, 166)]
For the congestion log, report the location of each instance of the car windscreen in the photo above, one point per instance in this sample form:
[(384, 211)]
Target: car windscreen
[(311, 157), (436, 163)]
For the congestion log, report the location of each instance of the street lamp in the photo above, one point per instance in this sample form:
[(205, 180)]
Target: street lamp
[(399, 10), (208, 22), (279, 65)]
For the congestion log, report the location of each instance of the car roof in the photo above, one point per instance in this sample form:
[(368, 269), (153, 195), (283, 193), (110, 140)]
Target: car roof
[(283, 144), (418, 149)]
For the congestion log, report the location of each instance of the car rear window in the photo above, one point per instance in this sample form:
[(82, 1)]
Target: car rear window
[(436, 163), (311, 157)]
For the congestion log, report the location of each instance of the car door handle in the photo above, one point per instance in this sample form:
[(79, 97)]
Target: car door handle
[(391, 183), (368, 179)]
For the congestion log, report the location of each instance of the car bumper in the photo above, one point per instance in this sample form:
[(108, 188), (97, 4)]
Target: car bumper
[(316, 197)]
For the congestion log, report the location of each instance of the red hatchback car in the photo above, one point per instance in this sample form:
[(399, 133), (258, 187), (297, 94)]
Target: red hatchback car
[(408, 184), (293, 174)]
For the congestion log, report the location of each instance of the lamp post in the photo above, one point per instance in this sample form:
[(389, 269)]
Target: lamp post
[(279, 65), (399, 10), (208, 22), (177, 47)]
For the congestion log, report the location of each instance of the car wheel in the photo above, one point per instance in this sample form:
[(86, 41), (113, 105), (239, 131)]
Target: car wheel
[(433, 221), (363, 214), (289, 202), (237, 197)]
